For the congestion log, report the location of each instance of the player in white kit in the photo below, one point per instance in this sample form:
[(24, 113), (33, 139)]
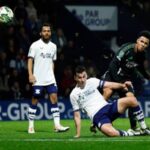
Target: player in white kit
[(85, 96), (41, 57)]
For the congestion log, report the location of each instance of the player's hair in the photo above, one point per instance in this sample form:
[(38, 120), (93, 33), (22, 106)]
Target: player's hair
[(144, 33), (45, 24), (80, 69)]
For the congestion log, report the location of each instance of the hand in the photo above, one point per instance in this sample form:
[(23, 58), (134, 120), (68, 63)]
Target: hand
[(32, 79), (128, 83)]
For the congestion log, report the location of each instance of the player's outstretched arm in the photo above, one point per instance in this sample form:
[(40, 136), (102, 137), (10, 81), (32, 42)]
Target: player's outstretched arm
[(77, 121), (115, 85)]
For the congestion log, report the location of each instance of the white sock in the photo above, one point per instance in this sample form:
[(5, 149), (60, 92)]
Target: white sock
[(138, 113), (56, 116), (143, 124), (31, 123), (31, 116)]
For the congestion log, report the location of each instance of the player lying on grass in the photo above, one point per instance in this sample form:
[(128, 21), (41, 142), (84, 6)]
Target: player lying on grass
[(85, 96)]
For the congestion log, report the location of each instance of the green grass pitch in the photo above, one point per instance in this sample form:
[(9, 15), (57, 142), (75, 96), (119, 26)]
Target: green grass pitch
[(14, 136)]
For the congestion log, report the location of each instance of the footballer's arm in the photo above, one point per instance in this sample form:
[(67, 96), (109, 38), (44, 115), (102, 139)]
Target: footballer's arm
[(115, 85), (30, 71), (77, 121), (108, 88)]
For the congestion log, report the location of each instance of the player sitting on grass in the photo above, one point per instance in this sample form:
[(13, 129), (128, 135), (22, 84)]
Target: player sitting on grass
[(86, 96)]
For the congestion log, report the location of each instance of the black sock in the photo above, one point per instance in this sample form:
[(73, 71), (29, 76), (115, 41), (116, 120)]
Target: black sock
[(132, 119)]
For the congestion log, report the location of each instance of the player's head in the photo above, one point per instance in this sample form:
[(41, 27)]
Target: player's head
[(143, 41), (144, 33), (45, 32), (80, 76)]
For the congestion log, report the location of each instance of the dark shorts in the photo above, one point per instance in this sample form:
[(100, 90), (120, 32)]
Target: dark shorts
[(106, 115), (38, 90)]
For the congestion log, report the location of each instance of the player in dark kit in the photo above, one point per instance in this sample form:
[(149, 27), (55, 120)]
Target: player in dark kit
[(128, 65)]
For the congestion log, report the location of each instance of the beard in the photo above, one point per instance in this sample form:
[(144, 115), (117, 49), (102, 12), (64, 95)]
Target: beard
[(46, 38)]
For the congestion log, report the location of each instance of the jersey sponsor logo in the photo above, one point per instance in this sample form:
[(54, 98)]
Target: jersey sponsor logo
[(89, 92), (86, 93), (131, 64), (46, 55)]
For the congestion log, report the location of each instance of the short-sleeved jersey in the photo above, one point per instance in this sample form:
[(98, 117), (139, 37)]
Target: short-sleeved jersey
[(88, 99), (43, 54)]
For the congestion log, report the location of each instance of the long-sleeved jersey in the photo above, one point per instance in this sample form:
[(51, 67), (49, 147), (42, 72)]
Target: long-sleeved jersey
[(127, 64)]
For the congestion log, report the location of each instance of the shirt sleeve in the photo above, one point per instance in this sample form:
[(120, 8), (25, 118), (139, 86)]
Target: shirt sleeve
[(31, 52), (97, 82)]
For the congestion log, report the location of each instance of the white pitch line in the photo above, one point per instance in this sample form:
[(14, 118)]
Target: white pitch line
[(78, 140)]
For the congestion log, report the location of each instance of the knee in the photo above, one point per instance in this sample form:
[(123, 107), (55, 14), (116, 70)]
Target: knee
[(133, 101), (34, 101), (53, 98)]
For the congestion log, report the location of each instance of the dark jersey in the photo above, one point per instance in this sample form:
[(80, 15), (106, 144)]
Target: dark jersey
[(127, 64)]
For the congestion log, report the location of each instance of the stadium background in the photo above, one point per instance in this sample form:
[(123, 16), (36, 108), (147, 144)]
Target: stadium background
[(78, 45)]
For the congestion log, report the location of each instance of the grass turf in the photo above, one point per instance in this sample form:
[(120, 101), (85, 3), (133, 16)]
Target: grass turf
[(13, 135)]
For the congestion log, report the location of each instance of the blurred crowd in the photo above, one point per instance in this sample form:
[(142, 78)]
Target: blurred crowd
[(15, 40)]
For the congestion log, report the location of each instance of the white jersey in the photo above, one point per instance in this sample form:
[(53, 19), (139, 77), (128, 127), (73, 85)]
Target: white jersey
[(43, 54), (89, 98)]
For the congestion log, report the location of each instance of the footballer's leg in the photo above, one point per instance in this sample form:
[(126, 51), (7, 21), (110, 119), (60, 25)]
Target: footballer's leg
[(110, 131), (52, 90), (56, 114), (37, 92), (31, 115), (138, 113), (132, 119), (114, 111), (132, 102), (103, 120)]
